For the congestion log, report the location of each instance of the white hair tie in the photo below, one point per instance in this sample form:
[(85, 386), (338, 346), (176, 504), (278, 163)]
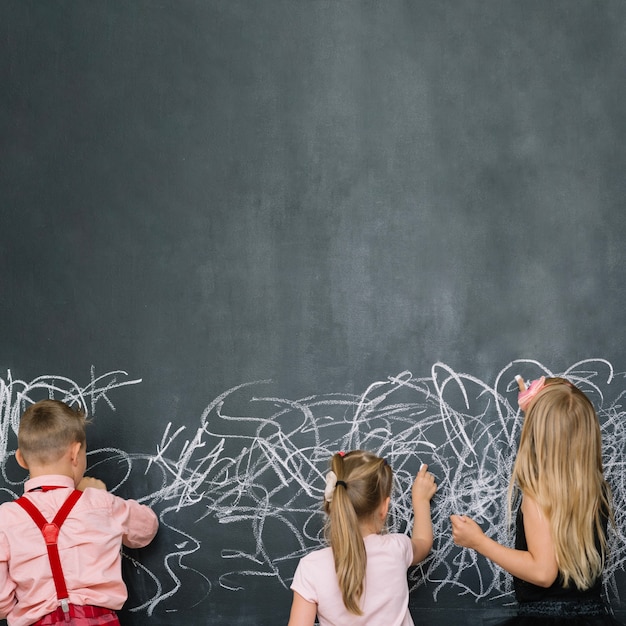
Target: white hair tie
[(331, 483)]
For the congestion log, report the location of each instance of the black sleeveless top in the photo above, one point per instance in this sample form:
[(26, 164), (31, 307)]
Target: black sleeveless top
[(527, 592)]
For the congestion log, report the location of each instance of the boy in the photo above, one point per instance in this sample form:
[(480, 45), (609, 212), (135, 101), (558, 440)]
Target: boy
[(85, 583)]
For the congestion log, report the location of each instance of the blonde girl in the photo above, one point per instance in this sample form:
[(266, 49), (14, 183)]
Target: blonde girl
[(560, 546), (361, 578)]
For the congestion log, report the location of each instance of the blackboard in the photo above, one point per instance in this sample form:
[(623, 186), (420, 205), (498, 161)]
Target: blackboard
[(249, 234)]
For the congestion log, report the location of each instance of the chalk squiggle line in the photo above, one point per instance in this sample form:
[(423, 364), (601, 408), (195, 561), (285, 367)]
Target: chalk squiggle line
[(266, 468), (16, 394), (260, 475)]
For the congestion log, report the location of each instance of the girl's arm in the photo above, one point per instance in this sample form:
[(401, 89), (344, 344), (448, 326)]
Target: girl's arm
[(303, 612), (537, 565), (423, 490)]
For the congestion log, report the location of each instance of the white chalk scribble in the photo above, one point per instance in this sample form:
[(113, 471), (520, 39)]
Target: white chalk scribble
[(253, 470)]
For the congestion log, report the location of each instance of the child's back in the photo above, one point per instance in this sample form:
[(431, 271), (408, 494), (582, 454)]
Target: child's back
[(88, 542), (362, 577), (560, 544), (385, 596)]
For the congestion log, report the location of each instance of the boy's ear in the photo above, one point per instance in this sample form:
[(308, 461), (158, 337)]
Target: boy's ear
[(75, 449), (20, 459)]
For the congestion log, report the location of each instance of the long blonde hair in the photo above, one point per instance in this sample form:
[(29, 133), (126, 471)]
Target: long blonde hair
[(559, 465), (364, 480)]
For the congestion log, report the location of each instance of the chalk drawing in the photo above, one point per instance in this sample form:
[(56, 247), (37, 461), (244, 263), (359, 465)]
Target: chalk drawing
[(255, 465)]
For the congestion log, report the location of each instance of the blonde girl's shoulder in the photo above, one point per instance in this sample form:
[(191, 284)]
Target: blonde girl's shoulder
[(530, 507)]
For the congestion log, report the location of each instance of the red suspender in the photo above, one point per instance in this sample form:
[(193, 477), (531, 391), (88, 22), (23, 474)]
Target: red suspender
[(50, 532)]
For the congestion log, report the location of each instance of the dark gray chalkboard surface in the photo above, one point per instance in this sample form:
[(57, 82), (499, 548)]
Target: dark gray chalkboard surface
[(250, 234)]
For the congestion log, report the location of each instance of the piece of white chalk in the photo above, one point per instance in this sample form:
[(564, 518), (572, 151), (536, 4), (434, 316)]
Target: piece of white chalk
[(422, 466), (520, 382)]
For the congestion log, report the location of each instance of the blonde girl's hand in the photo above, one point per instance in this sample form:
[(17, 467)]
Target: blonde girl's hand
[(465, 531), (88, 481), (424, 485)]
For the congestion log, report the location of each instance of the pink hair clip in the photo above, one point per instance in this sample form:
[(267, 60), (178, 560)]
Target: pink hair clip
[(524, 397), (342, 453)]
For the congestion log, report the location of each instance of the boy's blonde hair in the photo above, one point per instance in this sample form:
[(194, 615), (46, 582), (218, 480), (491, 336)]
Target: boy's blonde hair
[(47, 429), (559, 465), (364, 480)]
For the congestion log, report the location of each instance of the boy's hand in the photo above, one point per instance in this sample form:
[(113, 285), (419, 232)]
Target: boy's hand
[(424, 485), (88, 481), (465, 531)]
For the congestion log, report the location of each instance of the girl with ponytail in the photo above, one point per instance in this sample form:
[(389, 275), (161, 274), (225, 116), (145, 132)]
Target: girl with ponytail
[(361, 578)]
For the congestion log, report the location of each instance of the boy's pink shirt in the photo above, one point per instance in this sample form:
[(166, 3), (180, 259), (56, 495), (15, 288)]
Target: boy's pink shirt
[(89, 546)]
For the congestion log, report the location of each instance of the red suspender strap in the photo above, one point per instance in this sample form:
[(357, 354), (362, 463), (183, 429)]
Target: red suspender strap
[(50, 532)]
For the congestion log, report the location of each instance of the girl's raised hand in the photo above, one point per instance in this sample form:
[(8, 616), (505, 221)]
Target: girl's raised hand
[(424, 485), (423, 490)]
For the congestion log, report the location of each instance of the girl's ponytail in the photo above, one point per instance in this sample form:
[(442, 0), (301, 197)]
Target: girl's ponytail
[(363, 481)]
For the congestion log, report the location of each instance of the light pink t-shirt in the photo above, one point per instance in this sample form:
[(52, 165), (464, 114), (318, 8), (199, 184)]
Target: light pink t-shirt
[(89, 547), (385, 601)]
